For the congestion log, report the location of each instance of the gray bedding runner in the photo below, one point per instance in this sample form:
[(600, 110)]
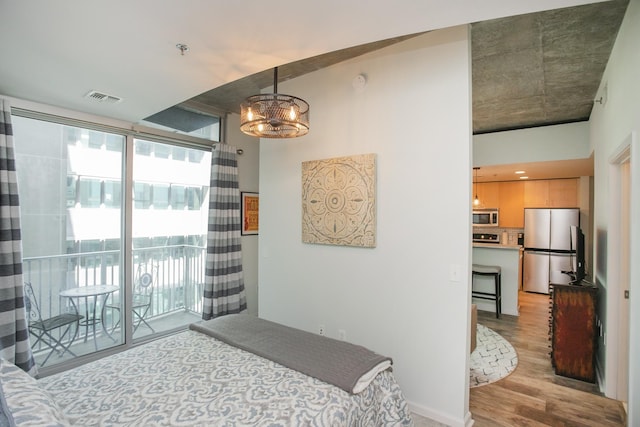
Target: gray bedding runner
[(332, 361)]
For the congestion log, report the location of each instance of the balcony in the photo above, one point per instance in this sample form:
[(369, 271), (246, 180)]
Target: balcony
[(177, 281)]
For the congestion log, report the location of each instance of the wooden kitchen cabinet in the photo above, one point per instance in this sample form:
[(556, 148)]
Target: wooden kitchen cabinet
[(536, 194), (573, 331), (489, 194), (511, 204), (551, 193), (563, 193), (511, 197)]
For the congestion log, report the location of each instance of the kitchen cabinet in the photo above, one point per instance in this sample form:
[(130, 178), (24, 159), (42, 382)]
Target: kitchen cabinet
[(511, 197), (573, 331), (489, 194), (563, 193), (511, 204), (536, 194), (551, 193)]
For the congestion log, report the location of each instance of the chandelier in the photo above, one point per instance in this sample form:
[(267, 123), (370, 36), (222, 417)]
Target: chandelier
[(274, 115)]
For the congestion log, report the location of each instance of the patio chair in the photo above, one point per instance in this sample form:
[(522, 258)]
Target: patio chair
[(142, 296), (43, 329)]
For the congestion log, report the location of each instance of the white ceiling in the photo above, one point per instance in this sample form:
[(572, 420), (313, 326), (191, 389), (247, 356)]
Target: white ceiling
[(55, 52), (536, 170)]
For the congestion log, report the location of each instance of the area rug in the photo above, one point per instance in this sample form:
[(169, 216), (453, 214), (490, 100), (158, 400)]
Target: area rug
[(493, 359)]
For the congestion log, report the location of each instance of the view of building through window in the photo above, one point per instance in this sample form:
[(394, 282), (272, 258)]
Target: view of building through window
[(71, 185)]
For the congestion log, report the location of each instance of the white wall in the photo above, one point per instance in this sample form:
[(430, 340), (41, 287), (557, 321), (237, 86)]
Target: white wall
[(396, 299), (546, 143), (612, 124)]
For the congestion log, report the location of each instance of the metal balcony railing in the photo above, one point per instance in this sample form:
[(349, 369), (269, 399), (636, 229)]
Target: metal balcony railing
[(178, 284)]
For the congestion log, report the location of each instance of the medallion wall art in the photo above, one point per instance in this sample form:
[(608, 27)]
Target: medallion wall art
[(339, 201)]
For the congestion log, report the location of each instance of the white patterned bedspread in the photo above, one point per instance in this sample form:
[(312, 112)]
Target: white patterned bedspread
[(190, 379)]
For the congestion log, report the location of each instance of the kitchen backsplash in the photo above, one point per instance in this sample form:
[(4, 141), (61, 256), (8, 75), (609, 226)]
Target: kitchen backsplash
[(512, 233)]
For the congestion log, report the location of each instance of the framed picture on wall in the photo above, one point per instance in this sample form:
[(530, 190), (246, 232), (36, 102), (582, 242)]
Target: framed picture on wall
[(250, 213)]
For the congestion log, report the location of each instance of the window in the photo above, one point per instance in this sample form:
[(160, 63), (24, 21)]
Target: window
[(65, 228), (160, 196), (112, 194), (90, 192), (72, 190), (142, 195), (194, 198), (73, 226), (178, 197)]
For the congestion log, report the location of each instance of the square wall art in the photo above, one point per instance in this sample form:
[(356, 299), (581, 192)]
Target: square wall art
[(339, 201)]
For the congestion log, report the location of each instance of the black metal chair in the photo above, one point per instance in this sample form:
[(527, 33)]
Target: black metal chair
[(142, 296), (43, 329)]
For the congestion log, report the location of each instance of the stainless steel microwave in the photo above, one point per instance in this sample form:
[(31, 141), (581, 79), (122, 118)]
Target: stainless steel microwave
[(485, 217)]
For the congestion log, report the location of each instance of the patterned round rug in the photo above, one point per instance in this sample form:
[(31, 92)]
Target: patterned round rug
[(493, 359)]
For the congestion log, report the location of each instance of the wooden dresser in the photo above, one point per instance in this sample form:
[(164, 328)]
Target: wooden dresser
[(573, 330)]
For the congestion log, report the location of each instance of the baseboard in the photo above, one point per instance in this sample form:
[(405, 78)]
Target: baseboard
[(599, 377), (440, 417)]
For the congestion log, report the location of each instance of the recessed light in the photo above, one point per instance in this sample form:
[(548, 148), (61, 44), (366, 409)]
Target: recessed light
[(520, 172), (524, 177)]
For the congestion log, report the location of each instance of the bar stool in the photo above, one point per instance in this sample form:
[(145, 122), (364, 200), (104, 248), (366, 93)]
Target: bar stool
[(488, 270)]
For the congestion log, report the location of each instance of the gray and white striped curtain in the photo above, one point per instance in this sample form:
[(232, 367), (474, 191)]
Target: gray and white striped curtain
[(14, 332), (224, 281)]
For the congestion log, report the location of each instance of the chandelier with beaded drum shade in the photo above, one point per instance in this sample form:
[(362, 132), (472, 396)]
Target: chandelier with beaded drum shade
[(274, 115)]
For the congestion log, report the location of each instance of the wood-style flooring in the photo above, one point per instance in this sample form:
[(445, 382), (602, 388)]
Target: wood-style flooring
[(533, 395)]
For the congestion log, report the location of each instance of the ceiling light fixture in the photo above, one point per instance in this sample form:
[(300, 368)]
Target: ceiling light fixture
[(519, 172), (476, 201), (274, 115)]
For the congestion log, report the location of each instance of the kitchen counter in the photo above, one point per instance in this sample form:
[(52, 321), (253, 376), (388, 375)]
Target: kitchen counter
[(508, 258)]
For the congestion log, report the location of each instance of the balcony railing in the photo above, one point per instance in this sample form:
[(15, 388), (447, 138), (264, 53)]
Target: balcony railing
[(177, 285)]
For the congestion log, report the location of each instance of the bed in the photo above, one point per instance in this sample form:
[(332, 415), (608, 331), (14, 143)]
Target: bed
[(235, 370)]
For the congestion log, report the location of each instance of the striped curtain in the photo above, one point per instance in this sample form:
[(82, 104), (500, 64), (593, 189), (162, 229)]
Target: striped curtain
[(14, 332), (224, 281)]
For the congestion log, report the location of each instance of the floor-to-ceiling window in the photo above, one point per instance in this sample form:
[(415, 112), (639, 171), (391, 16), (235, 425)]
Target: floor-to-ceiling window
[(70, 188), (169, 224), (83, 254)]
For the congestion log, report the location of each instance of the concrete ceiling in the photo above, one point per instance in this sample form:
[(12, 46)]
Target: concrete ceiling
[(541, 68)]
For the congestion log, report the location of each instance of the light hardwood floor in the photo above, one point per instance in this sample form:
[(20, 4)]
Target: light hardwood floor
[(533, 395)]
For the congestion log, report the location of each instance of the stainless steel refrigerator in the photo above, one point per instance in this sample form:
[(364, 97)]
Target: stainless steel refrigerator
[(549, 247)]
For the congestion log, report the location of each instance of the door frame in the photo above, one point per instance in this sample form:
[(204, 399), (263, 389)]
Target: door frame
[(628, 150)]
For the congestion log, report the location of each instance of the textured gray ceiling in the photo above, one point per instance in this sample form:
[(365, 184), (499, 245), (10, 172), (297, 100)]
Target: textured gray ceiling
[(542, 68), (528, 70)]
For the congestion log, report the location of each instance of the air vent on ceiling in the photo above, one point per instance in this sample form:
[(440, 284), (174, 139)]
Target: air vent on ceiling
[(103, 97)]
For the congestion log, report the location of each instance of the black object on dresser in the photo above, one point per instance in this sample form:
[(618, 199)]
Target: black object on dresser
[(573, 330)]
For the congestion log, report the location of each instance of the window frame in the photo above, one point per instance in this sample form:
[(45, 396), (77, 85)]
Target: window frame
[(129, 132)]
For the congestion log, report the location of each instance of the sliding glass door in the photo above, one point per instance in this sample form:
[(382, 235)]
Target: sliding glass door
[(70, 184), (169, 226), (76, 217)]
